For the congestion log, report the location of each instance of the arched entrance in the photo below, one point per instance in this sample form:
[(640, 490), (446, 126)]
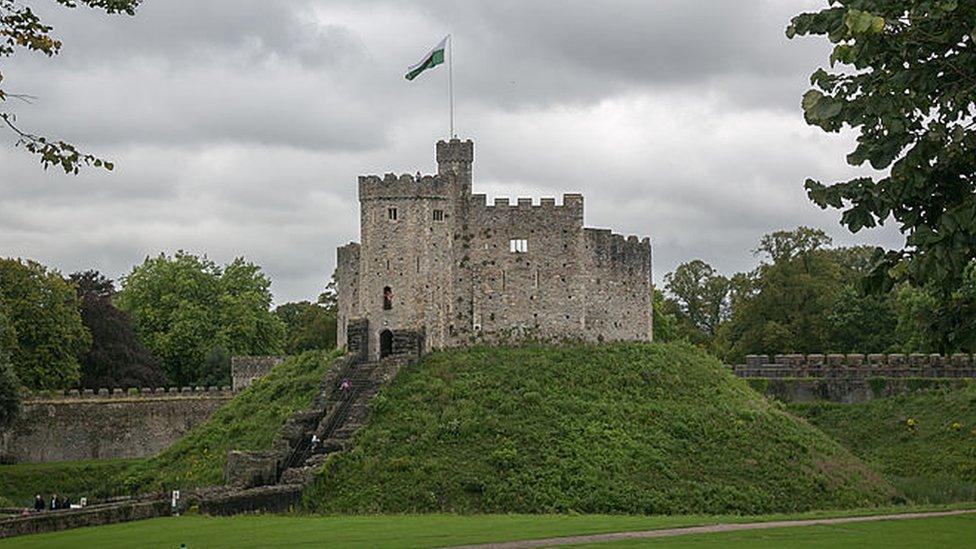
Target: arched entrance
[(386, 343)]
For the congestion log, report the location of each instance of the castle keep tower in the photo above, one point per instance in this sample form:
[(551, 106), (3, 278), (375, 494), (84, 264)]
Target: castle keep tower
[(438, 267)]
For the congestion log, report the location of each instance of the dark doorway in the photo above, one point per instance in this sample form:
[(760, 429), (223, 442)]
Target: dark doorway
[(386, 343)]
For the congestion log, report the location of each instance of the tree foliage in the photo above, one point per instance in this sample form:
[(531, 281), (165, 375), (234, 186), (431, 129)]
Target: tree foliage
[(9, 384), (116, 358), (43, 311), (309, 326), (701, 295), (20, 27), (185, 306), (906, 84), (664, 321), (792, 298)]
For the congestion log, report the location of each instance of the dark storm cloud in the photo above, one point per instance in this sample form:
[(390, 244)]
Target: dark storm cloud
[(238, 126)]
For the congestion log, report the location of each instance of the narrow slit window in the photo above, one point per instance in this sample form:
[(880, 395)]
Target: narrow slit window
[(518, 245), (438, 215), (391, 213), (387, 298)]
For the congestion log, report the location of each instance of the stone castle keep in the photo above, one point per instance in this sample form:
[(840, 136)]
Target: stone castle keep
[(438, 267)]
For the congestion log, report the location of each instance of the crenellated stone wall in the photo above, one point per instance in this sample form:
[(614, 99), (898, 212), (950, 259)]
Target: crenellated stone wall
[(107, 424), (857, 366), (853, 377)]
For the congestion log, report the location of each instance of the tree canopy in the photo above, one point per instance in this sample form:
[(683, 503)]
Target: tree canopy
[(308, 326), (902, 75), (185, 306), (700, 293), (116, 358), (20, 27), (805, 296), (43, 310), (9, 384)]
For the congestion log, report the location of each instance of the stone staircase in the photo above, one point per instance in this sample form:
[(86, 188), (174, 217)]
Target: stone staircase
[(272, 481)]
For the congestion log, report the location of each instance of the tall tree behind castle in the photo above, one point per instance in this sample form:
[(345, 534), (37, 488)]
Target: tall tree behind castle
[(116, 358), (44, 317), (189, 312), (905, 85)]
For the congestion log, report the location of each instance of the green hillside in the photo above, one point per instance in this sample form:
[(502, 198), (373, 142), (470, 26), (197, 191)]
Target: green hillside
[(933, 460), (627, 428), (248, 422)]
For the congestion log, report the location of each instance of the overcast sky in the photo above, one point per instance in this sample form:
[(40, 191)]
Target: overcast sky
[(238, 127)]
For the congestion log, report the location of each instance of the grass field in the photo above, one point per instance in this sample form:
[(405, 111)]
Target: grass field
[(400, 531), (943, 532), (94, 479)]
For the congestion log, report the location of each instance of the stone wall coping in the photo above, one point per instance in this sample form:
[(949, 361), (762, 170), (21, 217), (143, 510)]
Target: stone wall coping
[(117, 393), (873, 360), (92, 515)]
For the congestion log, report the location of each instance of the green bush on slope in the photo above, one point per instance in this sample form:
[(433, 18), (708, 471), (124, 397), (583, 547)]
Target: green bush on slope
[(248, 422), (631, 428), (933, 460)]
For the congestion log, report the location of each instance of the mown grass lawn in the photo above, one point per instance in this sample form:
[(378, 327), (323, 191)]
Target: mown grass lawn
[(400, 531), (943, 532)]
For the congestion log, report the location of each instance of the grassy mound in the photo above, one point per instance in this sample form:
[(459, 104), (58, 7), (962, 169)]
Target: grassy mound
[(248, 422), (626, 428), (930, 459)]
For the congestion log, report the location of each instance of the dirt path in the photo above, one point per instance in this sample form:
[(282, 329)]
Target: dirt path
[(672, 532)]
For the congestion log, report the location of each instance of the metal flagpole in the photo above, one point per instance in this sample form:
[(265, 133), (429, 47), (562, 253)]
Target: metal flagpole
[(450, 79)]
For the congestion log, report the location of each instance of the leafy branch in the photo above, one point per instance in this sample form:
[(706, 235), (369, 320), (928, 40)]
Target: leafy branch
[(21, 28)]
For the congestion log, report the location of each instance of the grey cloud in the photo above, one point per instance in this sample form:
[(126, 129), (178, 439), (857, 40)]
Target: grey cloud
[(238, 127)]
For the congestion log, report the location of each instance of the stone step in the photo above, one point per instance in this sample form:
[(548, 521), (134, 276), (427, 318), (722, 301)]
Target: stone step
[(298, 475)]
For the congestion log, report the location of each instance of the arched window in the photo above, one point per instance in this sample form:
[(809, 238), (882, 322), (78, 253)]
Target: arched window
[(387, 298)]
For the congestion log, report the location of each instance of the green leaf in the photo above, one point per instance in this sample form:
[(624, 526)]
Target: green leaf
[(810, 99), (877, 25), (109, 166)]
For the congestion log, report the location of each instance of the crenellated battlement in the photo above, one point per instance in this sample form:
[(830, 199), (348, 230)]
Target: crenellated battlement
[(857, 366), (570, 202), (610, 247), (117, 393), (403, 186)]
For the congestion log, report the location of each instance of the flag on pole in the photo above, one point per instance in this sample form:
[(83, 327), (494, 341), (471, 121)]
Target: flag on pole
[(433, 58)]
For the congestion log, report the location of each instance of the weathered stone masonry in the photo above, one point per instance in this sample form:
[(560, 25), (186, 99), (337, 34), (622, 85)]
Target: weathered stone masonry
[(245, 369), (853, 377), (438, 261), (107, 424)]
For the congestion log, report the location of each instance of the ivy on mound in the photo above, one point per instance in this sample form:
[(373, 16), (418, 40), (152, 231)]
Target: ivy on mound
[(623, 428)]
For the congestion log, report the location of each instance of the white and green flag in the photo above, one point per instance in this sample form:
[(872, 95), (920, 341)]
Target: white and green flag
[(433, 58)]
